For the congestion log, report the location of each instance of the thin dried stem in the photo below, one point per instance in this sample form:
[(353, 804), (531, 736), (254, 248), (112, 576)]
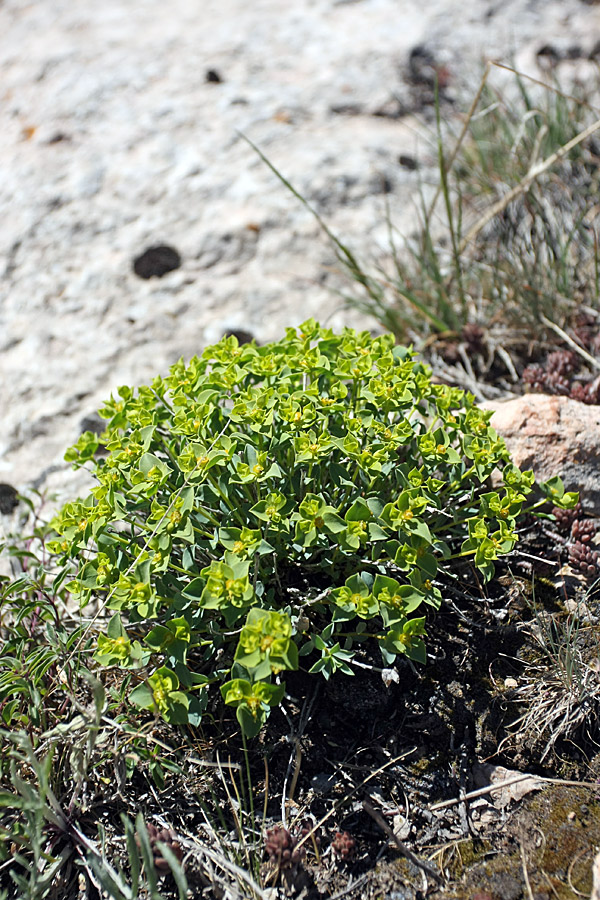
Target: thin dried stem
[(504, 784), (404, 850), (526, 873), (591, 360)]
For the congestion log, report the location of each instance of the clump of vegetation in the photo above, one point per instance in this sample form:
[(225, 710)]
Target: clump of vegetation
[(517, 187), (265, 505)]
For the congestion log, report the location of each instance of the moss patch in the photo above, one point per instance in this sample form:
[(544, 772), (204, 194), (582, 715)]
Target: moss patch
[(554, 835)]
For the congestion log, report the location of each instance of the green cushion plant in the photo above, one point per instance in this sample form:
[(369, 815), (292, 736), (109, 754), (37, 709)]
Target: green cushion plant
[(266, 507)]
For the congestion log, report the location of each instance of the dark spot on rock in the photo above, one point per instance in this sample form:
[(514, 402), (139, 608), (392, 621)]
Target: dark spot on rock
[(232, 248), (427, 77), (9, 498), (156, 262), (594, 54), (58, 137), (381, 184), (548, 55), (244, 337), (92, 423), (213, 77), (283, 116), (574, 52), (422, 66), (393, 108), (55, 203), (346, 109), (409, 162)]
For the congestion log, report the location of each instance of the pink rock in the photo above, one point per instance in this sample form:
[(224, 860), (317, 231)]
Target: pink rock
[(553, 436)]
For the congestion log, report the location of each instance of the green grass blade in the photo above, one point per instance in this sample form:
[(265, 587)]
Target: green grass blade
[(176, 869)]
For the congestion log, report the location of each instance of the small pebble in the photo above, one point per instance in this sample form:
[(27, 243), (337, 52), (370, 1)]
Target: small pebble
[(155, 262), (243, 337), (9, 498)]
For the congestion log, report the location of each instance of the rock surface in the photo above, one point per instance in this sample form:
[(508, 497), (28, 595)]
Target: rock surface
[(122, 130), (554, 435)]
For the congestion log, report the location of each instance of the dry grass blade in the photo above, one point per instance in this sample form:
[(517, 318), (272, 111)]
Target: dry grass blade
[(542, 254), (544, 84), (480, 792), (526, 873), (558, 707), (351, 793), (572, 865), (295, 760)]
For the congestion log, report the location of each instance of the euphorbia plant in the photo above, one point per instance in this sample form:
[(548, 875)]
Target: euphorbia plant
[(263, 506)]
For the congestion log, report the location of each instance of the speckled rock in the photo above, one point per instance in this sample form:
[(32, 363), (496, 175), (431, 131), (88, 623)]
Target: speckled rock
[(554, 436)]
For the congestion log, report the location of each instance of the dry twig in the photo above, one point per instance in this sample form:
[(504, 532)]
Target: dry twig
[(404, 850)]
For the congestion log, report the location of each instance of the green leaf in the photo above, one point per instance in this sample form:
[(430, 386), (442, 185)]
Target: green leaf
[(359, 511), (405, 637), (333, 523), (132, 853), (142, 696), (553, 488), (176, 869), (115, 627), (147, 854), (158, 637)]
